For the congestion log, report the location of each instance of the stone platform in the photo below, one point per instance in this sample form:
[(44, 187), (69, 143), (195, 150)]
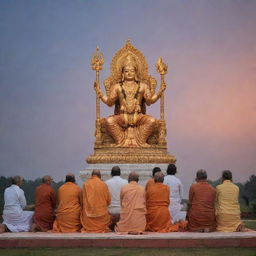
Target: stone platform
[(144, 170), (147, 240)]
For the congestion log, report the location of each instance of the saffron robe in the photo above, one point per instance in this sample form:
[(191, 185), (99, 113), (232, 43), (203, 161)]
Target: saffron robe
[(227, 206), (133, 208), (201, 214), (45, 204), (69, 208), (158, 215), (150, 182), (95, 217)]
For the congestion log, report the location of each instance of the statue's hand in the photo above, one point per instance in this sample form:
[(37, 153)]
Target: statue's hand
[(163, 86), (97, 89)]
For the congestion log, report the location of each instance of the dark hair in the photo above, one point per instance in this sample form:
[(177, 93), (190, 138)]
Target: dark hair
[(70, 178), (115, 171), (155, 170), (227, 175), (201, 174), (133, 176), (171, 169)]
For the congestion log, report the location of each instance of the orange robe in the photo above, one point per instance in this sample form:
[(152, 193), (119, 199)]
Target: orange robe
[(96, 199), (133, 208), (150, 182), (44, 207), (158, 215), (69, 208), (201, 214)]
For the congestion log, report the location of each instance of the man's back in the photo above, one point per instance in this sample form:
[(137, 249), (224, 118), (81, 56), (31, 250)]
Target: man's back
[(202, 212), (69, 197), (114, 185), (133, 208)]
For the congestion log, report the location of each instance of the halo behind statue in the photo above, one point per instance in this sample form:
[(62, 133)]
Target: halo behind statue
[(117, 63)]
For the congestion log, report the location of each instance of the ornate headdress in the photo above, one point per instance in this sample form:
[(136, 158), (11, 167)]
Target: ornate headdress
[(129, 60), (127, 55)]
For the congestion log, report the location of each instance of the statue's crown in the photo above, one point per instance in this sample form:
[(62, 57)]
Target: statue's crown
[(129, 60)]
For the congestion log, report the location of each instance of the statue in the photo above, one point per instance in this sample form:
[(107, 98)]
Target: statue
[(130, 126), (129, 135)]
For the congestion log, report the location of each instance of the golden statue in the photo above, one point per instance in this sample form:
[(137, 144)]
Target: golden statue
[(130, 135)]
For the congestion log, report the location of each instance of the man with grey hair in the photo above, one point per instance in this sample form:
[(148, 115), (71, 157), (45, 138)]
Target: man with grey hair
[(157, 201), (15, 218), (45, 205), (201, 212), (133, 207), (114, 185)]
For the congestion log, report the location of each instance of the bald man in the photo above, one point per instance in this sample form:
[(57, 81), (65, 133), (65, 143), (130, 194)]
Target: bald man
[(157, 202), (133, 207), (95, 217), (45, 198), (69, 207), (201, 212)]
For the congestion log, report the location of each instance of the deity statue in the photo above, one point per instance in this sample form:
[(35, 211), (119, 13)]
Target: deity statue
[(130, 126), (129, 135)]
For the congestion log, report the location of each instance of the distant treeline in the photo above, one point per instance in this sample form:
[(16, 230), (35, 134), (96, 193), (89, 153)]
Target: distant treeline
[(247, 190), (29, 187)]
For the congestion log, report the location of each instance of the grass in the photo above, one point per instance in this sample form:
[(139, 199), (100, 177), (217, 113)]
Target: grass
[(250, 224), (129, 252)]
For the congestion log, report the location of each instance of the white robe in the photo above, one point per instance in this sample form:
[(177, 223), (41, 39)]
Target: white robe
[(176, 191), (114, 186), (14, 217)]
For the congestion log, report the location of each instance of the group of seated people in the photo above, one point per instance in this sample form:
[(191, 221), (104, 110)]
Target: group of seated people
[(125, 206)]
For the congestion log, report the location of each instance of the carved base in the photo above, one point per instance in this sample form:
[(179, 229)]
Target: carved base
[(131, 155)]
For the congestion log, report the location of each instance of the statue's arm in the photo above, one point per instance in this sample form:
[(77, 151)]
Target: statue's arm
[(110, 101), (149, 98)]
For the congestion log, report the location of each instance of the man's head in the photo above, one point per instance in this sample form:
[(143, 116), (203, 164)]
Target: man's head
[(201, 175), (115, 171), (155, 170), (133, 176), (226, 175), (171, 169), (70, 177), (47, 179), (159, 177), (17, 180), (96, 173)]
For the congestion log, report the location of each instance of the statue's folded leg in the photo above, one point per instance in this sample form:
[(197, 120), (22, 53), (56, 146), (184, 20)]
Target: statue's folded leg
[(145, 125), (114, 125)]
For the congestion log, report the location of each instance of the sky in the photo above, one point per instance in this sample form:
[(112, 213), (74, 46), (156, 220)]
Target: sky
[(47, 101)]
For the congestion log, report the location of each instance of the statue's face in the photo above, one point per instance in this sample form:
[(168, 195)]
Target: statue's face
[(129, 73)]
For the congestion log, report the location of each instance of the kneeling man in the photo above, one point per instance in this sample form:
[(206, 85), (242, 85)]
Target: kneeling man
[(201, 212), (15, 219), (69, 207), (157, 201), (133, 207), (96, 199)]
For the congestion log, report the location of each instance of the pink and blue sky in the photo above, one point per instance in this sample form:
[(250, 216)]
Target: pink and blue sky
[(47, 101)]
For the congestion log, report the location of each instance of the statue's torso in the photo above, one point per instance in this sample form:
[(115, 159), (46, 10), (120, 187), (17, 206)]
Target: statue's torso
[(130, 97)]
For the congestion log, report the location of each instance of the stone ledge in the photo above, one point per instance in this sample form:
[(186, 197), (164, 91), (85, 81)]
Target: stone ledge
[(148, 240)]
